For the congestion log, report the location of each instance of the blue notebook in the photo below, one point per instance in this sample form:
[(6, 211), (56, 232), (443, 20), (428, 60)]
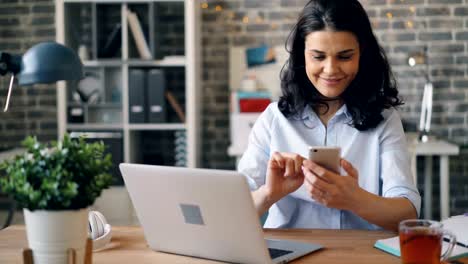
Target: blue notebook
[(392, 246), (458, 225)]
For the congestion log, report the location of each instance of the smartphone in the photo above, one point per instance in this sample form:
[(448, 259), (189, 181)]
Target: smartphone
[(327, 157)]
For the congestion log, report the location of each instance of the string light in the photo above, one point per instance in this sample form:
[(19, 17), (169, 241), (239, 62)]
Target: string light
[(218, 8), (389, 15), (409, 24), (204, 5), (245, 19)]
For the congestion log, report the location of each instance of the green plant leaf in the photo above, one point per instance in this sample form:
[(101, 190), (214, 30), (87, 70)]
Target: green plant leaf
[(59, 175)]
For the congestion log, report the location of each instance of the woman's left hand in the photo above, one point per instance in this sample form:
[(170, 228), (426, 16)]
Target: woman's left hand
[(331, 189)]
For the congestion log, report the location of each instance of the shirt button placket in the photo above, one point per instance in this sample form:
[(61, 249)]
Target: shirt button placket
[(331, 139)]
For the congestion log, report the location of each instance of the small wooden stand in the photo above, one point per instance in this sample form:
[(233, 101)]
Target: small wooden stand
[(71, 254)]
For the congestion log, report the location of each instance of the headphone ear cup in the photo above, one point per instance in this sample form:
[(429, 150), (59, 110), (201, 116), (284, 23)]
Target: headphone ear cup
[(100, 231), (102, 219), (96, 225)]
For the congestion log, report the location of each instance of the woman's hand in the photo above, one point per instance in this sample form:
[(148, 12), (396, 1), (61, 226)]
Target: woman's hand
[(331, 189), (284, 175)]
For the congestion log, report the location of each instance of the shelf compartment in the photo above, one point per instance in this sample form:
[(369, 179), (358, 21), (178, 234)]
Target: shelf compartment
[(169, 62), (103, 63), (108, 28), (162, 24), (95, 126), (107, 114), (178, 61), (113, 140), (82, 34), (151, 87), (157, 127), (166, 148)]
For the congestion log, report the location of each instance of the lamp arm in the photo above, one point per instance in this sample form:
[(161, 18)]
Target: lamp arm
[(427, 74), (9, 63)]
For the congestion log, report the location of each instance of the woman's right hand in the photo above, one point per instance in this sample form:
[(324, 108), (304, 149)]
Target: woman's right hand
[(284, 175)]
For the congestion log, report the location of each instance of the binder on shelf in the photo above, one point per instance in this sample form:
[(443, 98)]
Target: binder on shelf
[(138, 36), (136, 95), (176, 106), (156, 87)]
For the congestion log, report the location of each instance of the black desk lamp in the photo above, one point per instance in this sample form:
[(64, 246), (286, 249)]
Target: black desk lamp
[(45, 62)]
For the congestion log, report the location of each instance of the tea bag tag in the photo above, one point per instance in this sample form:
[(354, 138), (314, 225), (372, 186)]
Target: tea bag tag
[(9, 93)]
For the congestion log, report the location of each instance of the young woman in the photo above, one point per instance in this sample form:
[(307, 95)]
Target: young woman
[(337, 90)]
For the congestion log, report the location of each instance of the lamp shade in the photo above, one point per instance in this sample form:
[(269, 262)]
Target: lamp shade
[(49, 62)]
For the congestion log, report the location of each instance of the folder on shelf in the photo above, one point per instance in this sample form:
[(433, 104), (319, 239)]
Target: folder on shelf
[(138, 36), (136, 95), (156, 87)]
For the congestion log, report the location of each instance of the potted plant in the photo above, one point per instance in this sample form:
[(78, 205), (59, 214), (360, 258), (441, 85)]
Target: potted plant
[(55, 183)]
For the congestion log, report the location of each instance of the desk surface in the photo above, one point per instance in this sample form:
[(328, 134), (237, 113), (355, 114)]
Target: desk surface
[(433, 147), (128, 246)]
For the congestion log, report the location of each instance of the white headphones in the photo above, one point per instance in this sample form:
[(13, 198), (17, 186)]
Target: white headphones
[(98, 230)]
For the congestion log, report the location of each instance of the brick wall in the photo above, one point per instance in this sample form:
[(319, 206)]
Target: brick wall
[(24, 23), (401, 25)]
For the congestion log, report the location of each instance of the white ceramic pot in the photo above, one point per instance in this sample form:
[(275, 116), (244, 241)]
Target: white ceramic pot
[(51, 233)]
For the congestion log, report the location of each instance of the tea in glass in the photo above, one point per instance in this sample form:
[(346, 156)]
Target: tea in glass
[(421, 242)]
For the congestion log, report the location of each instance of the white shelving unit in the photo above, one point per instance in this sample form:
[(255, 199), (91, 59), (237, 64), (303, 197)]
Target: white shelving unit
[(119, 72), (114, 203)]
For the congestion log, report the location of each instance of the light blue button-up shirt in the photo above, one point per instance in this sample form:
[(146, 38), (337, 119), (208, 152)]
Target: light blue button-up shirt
[(380, 155)]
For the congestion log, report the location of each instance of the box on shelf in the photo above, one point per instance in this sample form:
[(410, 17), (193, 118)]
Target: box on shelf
[(249, 101)]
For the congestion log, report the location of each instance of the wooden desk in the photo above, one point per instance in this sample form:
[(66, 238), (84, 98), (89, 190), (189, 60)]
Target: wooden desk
[(128, 246)]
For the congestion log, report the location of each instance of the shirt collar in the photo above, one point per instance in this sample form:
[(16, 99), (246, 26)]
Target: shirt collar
[(312, 120)]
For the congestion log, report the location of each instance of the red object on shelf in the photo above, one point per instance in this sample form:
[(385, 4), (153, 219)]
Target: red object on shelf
[(253, 105)]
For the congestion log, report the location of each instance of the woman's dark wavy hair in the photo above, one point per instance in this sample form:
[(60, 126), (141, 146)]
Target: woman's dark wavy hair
[(373, 89)]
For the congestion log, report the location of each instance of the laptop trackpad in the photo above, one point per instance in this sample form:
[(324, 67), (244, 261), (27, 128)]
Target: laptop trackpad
[(284, 250)]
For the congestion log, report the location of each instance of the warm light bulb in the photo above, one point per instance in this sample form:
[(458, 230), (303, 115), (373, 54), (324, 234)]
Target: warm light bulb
[(245, 19), (218, 8), (204, 5), (409, 24), (389, 15)]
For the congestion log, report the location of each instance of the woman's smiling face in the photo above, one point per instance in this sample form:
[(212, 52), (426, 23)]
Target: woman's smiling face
[(331, 61)]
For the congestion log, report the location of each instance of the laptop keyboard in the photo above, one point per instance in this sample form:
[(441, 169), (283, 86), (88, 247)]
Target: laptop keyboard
[(276, 253)]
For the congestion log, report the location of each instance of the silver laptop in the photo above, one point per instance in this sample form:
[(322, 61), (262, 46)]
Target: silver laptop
[(203, 213)]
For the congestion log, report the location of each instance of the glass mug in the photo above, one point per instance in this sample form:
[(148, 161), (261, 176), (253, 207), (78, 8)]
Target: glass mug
[(421, 242)]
